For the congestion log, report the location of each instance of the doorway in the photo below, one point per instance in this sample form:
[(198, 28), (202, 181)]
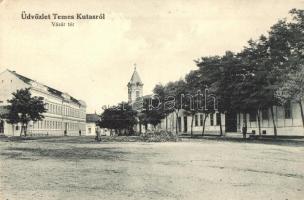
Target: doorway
[(65, 128), (185, 124), (179, 121), (1, 126), (231, 122)]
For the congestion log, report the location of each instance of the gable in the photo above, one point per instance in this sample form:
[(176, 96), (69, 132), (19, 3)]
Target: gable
[(9, 83)]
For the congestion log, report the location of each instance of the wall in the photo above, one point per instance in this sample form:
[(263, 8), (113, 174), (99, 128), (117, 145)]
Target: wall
[(63, 115), (292, 126), (171, 124), (9, 83)]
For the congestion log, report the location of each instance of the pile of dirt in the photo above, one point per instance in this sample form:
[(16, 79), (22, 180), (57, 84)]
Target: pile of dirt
[(120, 139), (159, 136)]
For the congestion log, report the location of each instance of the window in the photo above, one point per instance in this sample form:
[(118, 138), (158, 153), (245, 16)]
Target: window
[(218, 119), (196, 120), (89, 130), (17, 128), (201, 120), (211, 119), (287, 109), (252, 116), (137, 94), (265, 114)]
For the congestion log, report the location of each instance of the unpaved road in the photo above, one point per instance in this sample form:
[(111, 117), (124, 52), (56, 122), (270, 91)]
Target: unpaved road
[(82, 169)]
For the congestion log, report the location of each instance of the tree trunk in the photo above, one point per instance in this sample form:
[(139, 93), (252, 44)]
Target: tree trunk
[(244, 127), (302, 113), (204, 123), (259, 123), (166, 122), (221, 129), (21, 129), (191, 131), (25, 130), (176, 123), (140, 128), (273, 121)]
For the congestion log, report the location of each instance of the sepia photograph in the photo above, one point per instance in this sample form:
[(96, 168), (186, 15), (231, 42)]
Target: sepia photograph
[(152, 99)]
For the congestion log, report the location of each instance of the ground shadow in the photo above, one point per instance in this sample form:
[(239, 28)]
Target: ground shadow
[(103, 153), (282, 141)]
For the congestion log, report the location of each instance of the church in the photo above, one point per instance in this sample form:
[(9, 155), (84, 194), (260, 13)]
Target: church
[(287, 118)]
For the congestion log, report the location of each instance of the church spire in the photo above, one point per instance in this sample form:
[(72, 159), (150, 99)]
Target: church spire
[(135, 78), (135, 87)]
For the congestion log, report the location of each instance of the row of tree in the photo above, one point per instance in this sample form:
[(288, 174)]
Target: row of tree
[(267, 72)]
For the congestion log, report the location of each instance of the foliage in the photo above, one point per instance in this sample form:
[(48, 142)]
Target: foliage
[(24, 108), (151, 112), (121, 117)]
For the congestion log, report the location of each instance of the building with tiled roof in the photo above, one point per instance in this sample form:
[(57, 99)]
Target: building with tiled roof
[(65, 114), (91, 128)]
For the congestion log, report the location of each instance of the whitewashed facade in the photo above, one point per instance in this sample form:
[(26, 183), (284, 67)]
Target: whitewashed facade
[(212, 124), (65, 115), (287, 118)]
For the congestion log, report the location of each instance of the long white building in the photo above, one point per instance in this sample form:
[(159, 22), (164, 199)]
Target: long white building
[(65, 114), (287, 119)]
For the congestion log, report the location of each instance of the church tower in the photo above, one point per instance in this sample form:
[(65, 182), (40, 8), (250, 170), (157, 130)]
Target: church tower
[(135, 87)]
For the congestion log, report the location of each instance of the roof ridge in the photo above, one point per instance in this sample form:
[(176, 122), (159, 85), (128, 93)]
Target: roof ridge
[(50, 89)]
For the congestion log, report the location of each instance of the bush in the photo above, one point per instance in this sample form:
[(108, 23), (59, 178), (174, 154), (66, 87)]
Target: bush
[(159, 136)]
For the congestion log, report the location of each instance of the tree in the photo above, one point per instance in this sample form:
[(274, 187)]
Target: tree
[(160, 91), (220, 74), (121, 117), (24, 108), (293, 89), (151, 113), (173, 103), (193, 99), (286, 44), (260, 84)]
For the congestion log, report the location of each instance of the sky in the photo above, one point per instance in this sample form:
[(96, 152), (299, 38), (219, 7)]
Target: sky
[(94, 60)]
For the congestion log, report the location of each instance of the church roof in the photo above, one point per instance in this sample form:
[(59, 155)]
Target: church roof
[(135, 78)]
